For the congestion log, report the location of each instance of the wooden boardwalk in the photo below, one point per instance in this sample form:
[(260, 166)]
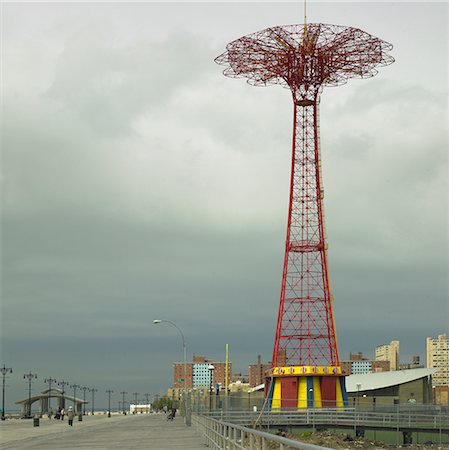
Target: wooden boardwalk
[(99, 432)]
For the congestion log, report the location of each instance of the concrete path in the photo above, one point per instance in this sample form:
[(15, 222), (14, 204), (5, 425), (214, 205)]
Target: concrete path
[(99, 432)]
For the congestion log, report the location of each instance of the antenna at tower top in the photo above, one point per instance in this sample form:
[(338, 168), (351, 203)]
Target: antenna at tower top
[(305, 18)]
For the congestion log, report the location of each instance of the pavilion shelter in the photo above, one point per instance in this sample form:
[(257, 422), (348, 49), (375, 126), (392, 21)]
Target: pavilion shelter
[(52, 399)]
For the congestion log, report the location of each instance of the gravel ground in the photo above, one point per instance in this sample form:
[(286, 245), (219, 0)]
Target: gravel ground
[(347, 442)]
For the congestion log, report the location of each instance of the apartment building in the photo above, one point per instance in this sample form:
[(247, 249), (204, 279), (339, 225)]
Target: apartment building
[(198, 373), (257, 372), (389, 352), (438, 358), (358, 365)]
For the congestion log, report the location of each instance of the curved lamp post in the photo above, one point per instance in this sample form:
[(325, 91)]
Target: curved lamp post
[(156, 321)]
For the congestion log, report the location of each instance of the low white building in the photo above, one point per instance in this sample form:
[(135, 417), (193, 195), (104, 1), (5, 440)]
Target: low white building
[(139, 408)]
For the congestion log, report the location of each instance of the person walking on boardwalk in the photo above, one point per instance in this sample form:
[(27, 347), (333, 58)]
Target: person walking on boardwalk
[(70, 415), (62, 413)]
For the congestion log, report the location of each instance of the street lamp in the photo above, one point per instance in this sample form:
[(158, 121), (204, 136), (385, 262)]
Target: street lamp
[(4, 370), (211, 368), (123, 401), (93, 390), (135, 402), (49, 381), (147, 402), (358, 387), (109, 392), (29, 376), (74, 386), (156, 321), (84, 389), (63, 384)]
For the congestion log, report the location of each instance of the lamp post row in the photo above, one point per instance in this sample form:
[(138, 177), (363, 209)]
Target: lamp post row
[(30, 377)]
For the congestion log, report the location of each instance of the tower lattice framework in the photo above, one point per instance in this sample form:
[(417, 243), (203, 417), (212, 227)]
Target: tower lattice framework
[(305, 332), (304, 58)]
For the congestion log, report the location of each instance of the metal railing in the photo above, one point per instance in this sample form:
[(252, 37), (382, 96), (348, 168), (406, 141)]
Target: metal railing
[(227, 436), (232, 430), (437, 421)]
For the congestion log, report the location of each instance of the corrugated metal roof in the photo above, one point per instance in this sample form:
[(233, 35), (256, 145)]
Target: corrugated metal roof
[(379, 380), (260, 387)]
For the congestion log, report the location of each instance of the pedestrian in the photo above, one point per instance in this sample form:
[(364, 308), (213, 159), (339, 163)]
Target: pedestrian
[(58, 413), (62, 413), (70, 415)]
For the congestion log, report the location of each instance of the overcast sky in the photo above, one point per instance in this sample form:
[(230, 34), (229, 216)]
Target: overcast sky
[(139, 183)]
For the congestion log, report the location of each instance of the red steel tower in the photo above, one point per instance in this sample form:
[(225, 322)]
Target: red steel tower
[(305, 369)]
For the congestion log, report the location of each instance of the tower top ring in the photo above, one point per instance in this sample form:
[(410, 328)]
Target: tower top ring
[(305, 55)]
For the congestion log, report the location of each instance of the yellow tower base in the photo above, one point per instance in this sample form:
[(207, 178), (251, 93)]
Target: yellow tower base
[(307, 387)]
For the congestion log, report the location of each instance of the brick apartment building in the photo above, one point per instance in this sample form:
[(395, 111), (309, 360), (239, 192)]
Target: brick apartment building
[(257, 372), (358, 364), (198, 373)]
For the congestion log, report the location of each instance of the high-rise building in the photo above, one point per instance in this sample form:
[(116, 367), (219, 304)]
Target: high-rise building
[(389, 352), (199, 374), (438, 358)]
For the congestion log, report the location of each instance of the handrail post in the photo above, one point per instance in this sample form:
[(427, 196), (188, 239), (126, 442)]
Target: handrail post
[(222, 438)]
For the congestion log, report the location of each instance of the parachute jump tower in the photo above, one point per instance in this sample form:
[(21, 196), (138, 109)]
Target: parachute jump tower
[(305, 367)]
